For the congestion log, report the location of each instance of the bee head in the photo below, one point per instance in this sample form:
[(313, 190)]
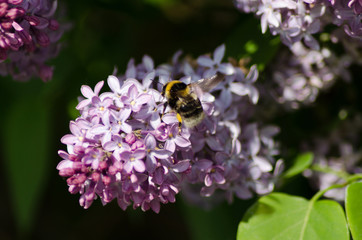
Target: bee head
[(164, 89)]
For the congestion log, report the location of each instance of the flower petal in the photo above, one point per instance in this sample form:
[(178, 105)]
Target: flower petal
[(238, 88), (214, 143), (253, 74), (114, 84), (139, 166), (148, 63), (219, 53), (170, 146), (205, 61), (263, 164), (181, 166), (226, 68), (87, 91), (182, 142), (162, 154), (98, 87), (203, 164)]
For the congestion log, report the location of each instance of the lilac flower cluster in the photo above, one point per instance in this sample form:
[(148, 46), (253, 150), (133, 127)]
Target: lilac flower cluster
[(338, 154), (127, 145), (28, 37), (297, 20), (348, 13), (300, 73)]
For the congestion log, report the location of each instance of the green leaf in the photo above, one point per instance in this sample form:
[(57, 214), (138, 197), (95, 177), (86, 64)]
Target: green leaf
[(280, 216), (302, 162), (354, 209), (26, 144)]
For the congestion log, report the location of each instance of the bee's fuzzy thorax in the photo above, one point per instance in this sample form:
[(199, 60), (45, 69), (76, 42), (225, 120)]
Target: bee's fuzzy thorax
[(168, 88)]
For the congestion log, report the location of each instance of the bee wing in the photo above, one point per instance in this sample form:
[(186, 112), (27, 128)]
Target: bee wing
[(207, 84)]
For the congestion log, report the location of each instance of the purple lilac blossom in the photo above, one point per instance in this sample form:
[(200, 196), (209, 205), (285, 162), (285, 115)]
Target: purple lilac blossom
[(348, 13), (29, 34), (300, 73), (297, 20), (127, 146), (340, 151)]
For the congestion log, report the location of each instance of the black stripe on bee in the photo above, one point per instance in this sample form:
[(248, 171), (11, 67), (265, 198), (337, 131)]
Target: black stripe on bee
[(190, 104), (195, 112)]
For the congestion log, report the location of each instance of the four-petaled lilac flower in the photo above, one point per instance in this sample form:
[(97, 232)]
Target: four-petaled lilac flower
[(214, 65), (133, 160), (213, 174), (117, 145), (134, 99), (269, 14), (174, 138), (89, 94), (154, 153)]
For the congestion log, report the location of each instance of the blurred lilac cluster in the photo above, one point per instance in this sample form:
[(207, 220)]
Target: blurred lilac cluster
[(28, 37), (340, 153), (127, 146), (296, 20), (300, 73)]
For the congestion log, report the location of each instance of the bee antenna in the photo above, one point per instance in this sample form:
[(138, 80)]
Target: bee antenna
[(156, 82)]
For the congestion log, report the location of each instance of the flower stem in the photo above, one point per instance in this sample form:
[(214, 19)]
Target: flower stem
[(326, 169), (349, 180)]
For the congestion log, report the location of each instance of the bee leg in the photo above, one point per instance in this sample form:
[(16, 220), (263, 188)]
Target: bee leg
[(178, 116), (165, 105), (164, 109)]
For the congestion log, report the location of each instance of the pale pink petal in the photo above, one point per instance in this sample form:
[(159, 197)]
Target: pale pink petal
[(139, 166), (205, 61), (87, 91), (219, 53), (181, 166), (182, 142)]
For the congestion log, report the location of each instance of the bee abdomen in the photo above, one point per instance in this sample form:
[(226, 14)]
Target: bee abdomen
[(191, 112), (193, 120)]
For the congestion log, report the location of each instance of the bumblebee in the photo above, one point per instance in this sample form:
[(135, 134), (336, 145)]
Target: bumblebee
[(183, 98)]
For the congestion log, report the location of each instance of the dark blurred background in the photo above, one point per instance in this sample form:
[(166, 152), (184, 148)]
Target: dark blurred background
[(104, 34)]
